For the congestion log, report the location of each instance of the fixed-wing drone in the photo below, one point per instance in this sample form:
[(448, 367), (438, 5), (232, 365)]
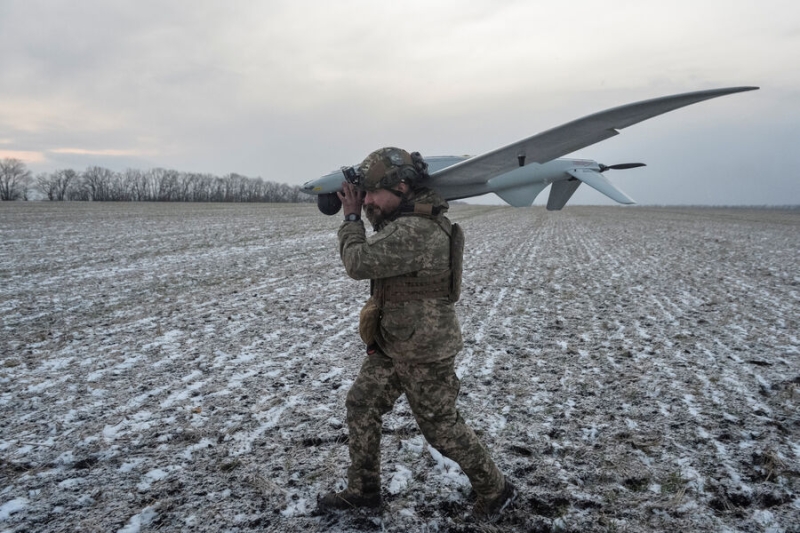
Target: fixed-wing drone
[(517, 173)]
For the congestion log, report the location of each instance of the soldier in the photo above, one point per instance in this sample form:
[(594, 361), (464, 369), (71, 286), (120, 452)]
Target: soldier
[(409, 325)]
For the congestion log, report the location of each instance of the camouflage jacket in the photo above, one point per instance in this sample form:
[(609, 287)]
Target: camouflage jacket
[(421, 330)]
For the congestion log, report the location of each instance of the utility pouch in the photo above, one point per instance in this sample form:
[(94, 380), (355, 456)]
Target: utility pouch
[(456, 261), (369, 321)]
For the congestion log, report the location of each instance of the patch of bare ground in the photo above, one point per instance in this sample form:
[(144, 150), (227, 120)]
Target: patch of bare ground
[(183, 367)]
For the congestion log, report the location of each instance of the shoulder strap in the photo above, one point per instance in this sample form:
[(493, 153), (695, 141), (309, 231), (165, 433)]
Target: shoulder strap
[(419, 209)]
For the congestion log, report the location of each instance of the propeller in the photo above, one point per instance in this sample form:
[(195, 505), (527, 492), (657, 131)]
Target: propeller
[(620, 166)]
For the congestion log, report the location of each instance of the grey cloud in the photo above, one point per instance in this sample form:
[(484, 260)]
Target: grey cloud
[(290, 90)]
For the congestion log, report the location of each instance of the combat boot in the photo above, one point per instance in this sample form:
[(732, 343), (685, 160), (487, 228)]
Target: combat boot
[(348, 499), (490, 510)]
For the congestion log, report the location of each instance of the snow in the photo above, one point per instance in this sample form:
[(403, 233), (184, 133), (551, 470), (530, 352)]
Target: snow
[(138, 520), (400, 479), (14, 506), (184, 367)]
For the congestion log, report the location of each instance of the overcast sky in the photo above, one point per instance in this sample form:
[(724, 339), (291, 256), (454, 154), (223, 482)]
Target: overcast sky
[(289, 90)]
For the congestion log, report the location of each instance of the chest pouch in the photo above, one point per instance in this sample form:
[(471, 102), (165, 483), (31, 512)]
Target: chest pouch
[(369, 321), (456, 261)]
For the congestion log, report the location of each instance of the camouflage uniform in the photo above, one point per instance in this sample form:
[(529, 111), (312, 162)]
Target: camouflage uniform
[(416, 347)]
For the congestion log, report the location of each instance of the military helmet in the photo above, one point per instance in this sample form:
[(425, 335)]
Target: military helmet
[(387, 167)]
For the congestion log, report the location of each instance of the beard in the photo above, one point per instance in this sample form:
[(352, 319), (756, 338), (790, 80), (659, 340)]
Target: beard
[(375, 215), (378, 217)]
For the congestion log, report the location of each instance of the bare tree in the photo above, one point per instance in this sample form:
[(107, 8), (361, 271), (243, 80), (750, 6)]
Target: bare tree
[(46, 184), (158, 184), (165, 190), (15, 179), (98, 181), (55, 185), (136, 183)]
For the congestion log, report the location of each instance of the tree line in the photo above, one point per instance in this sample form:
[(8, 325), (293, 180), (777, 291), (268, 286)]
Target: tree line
[(155, 185)]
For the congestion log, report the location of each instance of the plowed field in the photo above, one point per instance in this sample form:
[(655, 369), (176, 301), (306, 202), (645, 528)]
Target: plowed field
[(183, 367)]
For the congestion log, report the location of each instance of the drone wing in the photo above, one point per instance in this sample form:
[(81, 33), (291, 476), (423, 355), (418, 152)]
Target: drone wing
[(567, 138)]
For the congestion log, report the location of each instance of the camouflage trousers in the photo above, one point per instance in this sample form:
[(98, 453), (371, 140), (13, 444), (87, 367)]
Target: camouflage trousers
[(431, 389)]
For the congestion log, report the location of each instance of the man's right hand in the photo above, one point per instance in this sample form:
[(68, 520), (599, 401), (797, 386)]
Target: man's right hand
[(352, 198)]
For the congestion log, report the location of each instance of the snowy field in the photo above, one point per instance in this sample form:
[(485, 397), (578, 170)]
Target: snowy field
[(183, 367)]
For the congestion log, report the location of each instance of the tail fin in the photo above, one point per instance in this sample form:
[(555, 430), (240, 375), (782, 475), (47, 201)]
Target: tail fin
[(600, 183), (522, 196), (561, 192)]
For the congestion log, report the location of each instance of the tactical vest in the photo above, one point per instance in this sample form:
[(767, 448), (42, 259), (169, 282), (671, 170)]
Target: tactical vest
[(412, 287)]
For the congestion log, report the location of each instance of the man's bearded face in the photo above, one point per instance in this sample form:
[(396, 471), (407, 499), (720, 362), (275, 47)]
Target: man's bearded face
[(380, 205)]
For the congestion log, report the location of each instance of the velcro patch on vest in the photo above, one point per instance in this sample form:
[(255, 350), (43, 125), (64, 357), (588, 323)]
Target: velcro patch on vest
[(423, 209)]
